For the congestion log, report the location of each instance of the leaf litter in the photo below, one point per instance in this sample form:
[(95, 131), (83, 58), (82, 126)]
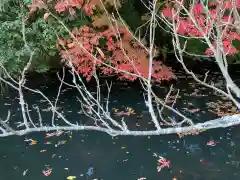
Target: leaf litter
[(47, 171)]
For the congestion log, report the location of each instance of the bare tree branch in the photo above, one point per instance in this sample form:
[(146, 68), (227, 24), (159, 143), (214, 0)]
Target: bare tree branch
[(96, 107)]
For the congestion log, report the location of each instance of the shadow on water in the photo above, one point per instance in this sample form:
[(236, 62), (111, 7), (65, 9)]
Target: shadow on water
[(95, 155)]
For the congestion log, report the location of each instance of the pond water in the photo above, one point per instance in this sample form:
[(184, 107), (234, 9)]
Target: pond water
[(95, 155)]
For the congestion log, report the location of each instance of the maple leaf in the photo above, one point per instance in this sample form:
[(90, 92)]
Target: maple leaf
[(167, 12), (204, 20)]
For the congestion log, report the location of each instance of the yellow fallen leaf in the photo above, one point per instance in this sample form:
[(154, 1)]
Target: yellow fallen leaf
[(71, 177), (115, 110)]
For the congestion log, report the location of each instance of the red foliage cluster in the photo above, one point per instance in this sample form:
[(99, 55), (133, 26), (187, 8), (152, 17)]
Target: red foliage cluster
[(36, 4), (122, 55), (185, 25), (63, 5)]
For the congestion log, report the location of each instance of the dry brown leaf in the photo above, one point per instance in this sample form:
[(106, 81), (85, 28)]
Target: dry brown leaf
[(98, 3), (115, 3), (99, 21)]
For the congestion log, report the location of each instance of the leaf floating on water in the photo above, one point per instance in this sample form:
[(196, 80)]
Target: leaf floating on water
[(27, 140), (142, 178), (203, 162), (47, 143), (25, 172), (48, 172), (71, 177), (56, 133), (90, 171), (33, 142), (53, 155), (60, 143), (127, 112), (194, 110), (161, 162), (115, 110), (211, 143)]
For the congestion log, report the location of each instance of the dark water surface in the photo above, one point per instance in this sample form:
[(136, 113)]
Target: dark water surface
[(118, 158)]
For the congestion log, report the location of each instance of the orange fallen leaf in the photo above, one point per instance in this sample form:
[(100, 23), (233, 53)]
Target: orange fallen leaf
[(33, 142)]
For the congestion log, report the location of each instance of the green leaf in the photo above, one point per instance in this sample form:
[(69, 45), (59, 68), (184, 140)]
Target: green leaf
[(194, 46), (27, 1), (236, 44)]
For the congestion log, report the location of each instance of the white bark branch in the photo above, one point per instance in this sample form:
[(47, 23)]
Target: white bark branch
[(98, 111)]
